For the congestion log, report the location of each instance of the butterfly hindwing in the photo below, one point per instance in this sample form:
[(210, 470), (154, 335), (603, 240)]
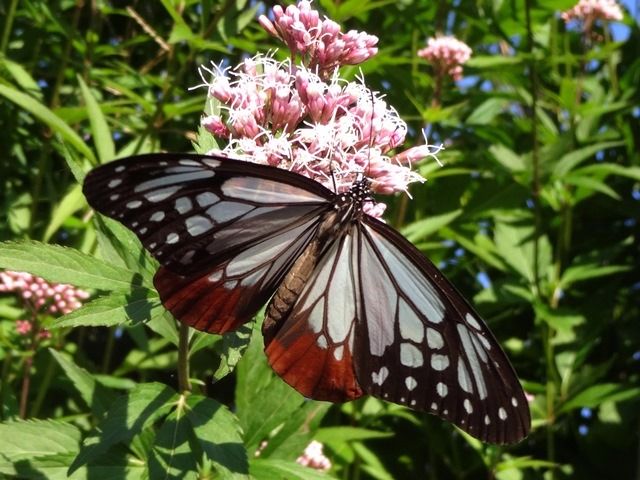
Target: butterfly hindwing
[(420, 343)]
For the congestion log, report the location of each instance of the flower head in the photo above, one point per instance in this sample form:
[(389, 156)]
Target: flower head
[(40, 295), (447, 55), (305, 117), (320, 43), (589, 11), (313, 457)]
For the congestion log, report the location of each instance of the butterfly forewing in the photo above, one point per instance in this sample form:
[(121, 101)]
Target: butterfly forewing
[(357, 309)]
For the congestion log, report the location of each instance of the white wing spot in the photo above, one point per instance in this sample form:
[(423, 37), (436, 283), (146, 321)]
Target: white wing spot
[(183, 205), (514, 402), (157, 216), (338, 352), (442, 389), (472, 321), (463, 378), (410, 356), (215, 276), (225, 211), (206, 198), (211, 162), (379, 377), (439, 362), (434, 406), (467, 406), (474, 363), (114, 197), (172, 238), (411, 383), (134, 204), (152, 245), (134, 224), (322, 342), (485, 342), (161, 194), (434, 339), (487, 420), (188, 161), (119, 168), (413, 402), (143, 230), (115, 182), (411, 327), (502, 413), (230, 285), (187, 257), (197, 225)]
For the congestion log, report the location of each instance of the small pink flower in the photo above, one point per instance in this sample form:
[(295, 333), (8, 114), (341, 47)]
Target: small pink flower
[(446, 54), (589, 11), (319, 42), (313, 457), (44, 296), (23, 327)]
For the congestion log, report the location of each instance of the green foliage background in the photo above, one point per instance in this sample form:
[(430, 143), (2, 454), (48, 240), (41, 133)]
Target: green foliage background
[(539, 198)]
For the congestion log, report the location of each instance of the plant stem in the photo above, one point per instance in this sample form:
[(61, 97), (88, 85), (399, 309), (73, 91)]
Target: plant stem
[(8, 24), (183, 359)]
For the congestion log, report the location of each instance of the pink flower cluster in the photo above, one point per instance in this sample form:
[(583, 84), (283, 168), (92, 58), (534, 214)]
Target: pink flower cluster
[(320, 43), (41, 295), (447, 55), (313, 457), (592, 10), (323, 127)]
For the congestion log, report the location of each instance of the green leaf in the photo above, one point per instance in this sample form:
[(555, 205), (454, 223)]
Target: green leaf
[(487, 111), (492, 61), (348, 434), (127, 417), (268, 469), (70, 204), (218, 433), (230, 348), (508, 158), (279, 402), (94, 394), (594, 395), (64, 265), (45, 115), (99, 128), (578, 273), (421, 229), (574, 158), (25, 439), (138, 306)]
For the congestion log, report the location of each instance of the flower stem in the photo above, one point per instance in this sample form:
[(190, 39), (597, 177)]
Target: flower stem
[(183, 359)]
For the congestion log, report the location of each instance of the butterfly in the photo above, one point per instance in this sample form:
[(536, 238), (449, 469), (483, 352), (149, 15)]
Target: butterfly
[(353, 307)]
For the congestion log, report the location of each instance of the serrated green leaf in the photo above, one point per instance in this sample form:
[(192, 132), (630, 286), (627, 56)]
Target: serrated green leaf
[(24, 439), (64, 265), (138, 306), (127, 417), (219, 435), (94, 395), (268, 469)]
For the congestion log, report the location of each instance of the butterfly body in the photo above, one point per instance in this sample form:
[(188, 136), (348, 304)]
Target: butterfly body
[(354, 308)]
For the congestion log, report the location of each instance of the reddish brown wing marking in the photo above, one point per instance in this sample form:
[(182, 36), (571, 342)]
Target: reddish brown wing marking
[(311, 347), (231, 294)]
